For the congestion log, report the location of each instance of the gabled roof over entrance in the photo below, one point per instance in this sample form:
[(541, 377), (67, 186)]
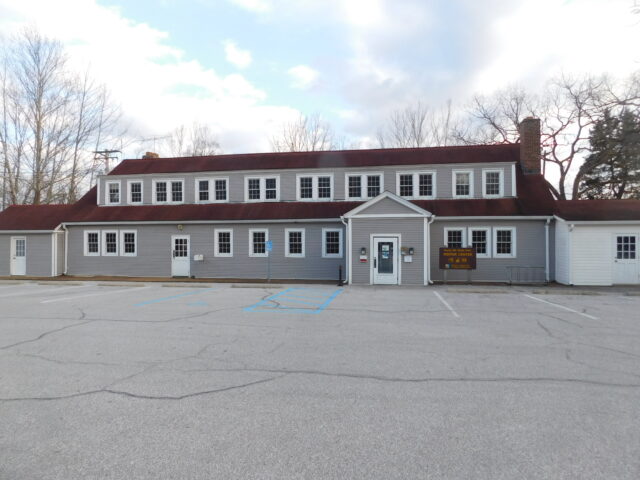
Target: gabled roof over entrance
[(387, 204)]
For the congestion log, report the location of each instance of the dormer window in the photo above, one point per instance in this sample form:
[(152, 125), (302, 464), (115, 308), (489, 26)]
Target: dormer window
[(315, 187), (113, 192), (210, 190), (264, 188), (492, 183), (360, 185), (416, 184), (168, 191), (135, 191), (462, 184)]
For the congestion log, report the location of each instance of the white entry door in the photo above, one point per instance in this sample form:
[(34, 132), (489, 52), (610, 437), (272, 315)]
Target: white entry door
[(180, 260), (18, 256), (385, 260), (626, 268)]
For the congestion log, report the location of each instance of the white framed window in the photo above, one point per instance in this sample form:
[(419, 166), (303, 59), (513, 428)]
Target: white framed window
[(416, 184), (212, 190), (134, 189), (262, 188), (110, 243), (462, 183), (258, 239), (91, 243), (203, 191), (168, 191), (480, 239), (455, 237), (316, 187), (504, 242), (113, 192), (359, 186), (492, 183), (128, 243), (331, 243), (223, 242), (294, 242)]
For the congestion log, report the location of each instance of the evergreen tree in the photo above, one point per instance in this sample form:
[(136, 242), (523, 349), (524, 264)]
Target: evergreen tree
[(612, 170)]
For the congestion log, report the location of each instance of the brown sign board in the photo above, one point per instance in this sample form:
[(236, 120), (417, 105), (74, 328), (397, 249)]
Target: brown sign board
[(457, 258)]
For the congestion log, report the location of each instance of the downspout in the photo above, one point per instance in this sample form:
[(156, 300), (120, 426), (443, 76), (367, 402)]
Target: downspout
[(570, 249), (546, 250), (347, 273), (66, 248), (433, 217)]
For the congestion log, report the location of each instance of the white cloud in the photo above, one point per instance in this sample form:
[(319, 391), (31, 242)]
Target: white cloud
[(237, 56), (259, 6), (303, 76), (158, 87)]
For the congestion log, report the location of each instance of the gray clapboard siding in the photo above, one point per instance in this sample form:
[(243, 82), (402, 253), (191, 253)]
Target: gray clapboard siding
[(154, 253), (412, 235), (387, 206), (530, 250), (38, 254), (287, 179)]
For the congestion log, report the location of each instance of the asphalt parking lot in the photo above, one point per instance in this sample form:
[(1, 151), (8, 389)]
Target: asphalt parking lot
[(316, 381)]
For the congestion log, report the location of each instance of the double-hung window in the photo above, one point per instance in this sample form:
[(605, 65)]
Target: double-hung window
[(258, 239), (462, 184), (168, 191), (203, 190), (504, 242), (113, 192), (314, 187), (110, 242), (363, 185), (260, 189), (128, 243), (479, 238), (492, 183), (294, 246), (331, 243), (455, 237), (135, 191), (209, 190), (416, 184), (223, 243), (92, 243)]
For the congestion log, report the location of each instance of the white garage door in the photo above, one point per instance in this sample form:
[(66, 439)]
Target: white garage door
[(625, 261)]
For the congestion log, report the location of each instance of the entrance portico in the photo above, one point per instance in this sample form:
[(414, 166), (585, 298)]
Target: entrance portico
[(388, 242)]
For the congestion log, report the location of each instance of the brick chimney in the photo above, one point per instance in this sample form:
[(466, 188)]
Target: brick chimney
[(530, 157), (151, 155)]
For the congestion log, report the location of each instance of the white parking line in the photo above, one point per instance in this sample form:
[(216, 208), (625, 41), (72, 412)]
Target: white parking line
[(562, 307), (46, 290), (93, 294), (455, 314)]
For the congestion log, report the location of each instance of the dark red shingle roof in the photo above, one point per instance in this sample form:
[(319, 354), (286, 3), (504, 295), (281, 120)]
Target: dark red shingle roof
[(331, 159), (585, 210)]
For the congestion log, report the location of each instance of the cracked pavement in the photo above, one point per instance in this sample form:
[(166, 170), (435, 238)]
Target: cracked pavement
[(385, 383)]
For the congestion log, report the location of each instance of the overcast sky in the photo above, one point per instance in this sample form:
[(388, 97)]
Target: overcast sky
[(246, 66)]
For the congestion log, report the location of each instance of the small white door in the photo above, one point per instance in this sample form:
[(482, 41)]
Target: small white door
[(18, 256), (385, 260), (180, 260), (626, 268)]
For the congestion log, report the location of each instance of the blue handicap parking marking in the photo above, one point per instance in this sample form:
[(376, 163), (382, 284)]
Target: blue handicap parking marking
[(174, 297), (297, 300)]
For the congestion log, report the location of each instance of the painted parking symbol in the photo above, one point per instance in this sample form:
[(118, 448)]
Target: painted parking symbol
[(297, 300)]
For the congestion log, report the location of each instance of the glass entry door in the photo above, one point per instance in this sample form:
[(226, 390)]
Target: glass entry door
[(385, 260), (626, 267)]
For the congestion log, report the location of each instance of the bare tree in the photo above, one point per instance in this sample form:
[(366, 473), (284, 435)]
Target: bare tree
[(50, 121), (306, 134), (195, 141), (568, 107), (417, 126)]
